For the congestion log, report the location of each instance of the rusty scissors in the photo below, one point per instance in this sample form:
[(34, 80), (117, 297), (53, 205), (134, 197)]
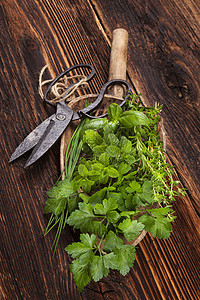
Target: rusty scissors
[(47, 133)]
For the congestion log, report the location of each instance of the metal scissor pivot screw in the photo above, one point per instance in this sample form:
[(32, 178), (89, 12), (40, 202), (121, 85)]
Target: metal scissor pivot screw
[(60, 117)]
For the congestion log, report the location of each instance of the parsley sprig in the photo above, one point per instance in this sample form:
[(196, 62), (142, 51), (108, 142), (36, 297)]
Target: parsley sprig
[(121, 185)]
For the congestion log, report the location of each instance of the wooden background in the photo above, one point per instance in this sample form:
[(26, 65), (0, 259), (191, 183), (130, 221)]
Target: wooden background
[(163, 65)]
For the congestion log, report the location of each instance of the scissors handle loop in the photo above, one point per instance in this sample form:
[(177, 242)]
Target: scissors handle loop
[(99, 99), (89, 77)]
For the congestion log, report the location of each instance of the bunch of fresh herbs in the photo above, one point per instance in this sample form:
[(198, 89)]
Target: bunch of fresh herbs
[(119, 186)]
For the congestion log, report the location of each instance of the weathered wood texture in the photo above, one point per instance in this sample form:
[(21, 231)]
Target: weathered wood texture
[(163, 64)]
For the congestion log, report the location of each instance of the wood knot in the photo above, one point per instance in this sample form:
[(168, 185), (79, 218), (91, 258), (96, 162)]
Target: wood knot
[(30, 44), (180, 83)]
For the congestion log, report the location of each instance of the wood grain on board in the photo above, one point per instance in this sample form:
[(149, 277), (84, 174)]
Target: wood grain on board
[(163, 65)]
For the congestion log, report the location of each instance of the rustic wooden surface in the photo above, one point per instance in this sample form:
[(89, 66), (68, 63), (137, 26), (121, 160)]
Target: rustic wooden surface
[(163, 65)]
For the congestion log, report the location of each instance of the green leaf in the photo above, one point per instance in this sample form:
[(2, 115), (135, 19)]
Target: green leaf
[(98, 196), (92, 138), (104, 159), (75, 182), (137, 200), (110, 261), (82, 170), (119, 199), (83, 218), (112, 139), (111, 172), (134, 187), (129, 213), (122, 190), (58, 197), (98, 269), (132, 118), (131, 175), (97, 166), (81, 274), (80, 248), (110, 128), (93, 174), (161, 211), (86, 184), (55, 205), (103, 178), (112, 216), (98, 150), (88, 240), (94, 124), (114, 111), (125, 258), (73, 204), (113, 126), (130, 159), (129, 203), (106, 207), (124, 168), (113, 151), (84, 197), (99, 228), (123, 141), (127, 148), (131, 229), (157, 223), (112, 241), (147, 191)]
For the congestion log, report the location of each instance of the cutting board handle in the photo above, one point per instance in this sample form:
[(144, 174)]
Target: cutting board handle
[(118, 59), (118, 55)]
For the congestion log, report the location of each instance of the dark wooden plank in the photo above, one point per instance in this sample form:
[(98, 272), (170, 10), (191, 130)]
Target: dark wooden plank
[(163, 64), (33, 34), (164, 67)]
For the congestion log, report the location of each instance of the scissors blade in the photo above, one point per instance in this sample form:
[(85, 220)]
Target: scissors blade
[(49, 137), (31, 140)]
